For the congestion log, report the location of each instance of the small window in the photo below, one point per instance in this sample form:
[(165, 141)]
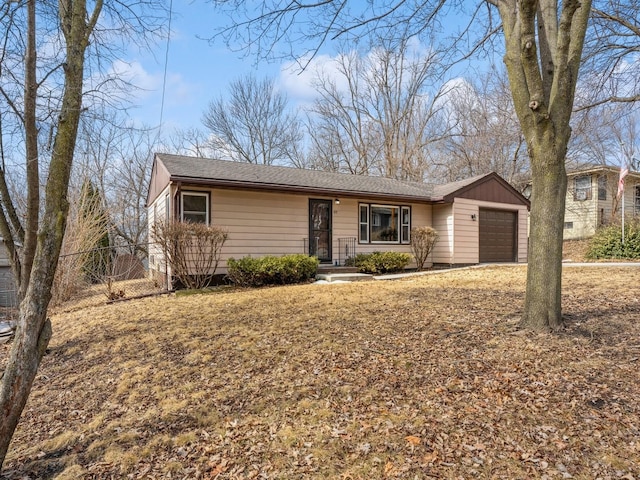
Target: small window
[(364, 223), (582, 188), (602, 187), (568, 225), (195, 207), (167, 209), (405, 224), (637, 200)]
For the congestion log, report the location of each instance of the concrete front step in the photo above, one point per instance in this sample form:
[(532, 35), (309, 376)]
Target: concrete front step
[(343, 277)]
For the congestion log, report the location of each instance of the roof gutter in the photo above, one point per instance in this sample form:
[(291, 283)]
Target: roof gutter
[(234, 184)]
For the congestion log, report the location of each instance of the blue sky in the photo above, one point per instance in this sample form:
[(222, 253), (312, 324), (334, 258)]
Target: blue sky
[(197, 71)]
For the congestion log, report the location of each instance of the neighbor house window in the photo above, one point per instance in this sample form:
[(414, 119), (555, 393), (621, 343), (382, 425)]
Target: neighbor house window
[(582, 188), (602, 187), (568, 225), (195, 207), (384, 223), (637, 200)]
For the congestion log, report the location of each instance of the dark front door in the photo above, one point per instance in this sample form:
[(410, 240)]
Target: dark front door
[(320, 229)]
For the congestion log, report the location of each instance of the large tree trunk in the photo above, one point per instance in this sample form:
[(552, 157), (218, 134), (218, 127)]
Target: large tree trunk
[(34, 330), (544, 43), (543, 308)]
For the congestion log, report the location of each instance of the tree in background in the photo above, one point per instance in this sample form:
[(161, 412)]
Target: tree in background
[(87, 229), (381, 113), (47, 53), (253, 125), (484, 134), (117, 157)]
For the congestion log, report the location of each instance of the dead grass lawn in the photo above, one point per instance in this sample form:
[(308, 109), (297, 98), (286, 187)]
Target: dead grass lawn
[(420, 378)]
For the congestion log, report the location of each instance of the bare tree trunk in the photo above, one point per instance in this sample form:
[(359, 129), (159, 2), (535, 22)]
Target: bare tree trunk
[(31, 148), (34, 330), (543, 80), (543, 308)]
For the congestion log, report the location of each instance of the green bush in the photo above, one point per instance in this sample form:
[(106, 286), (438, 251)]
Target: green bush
[(607, 242), (380, 262), (271, 270)]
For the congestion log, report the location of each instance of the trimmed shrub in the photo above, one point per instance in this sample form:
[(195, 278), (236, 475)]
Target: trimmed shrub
[(271, 270), (607, 242), (192, 249), (423, 239), (380, 262)]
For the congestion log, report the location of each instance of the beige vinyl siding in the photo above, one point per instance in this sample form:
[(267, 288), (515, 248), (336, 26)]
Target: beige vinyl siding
[(264, 223), (157, 212), (523, 235), (4, 255), (466, 244), (443, 223), (581, 216), (260, 223), (587, 215), (629, 198), (465, 230), (605, 207), (7, 285)]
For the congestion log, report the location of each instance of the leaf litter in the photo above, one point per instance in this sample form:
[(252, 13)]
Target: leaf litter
[(426, 377)]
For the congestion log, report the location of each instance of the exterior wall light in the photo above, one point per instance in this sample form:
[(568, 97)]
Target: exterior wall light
[(474, 217), (337, 201)]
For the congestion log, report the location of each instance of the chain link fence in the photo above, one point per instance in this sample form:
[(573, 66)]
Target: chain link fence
[(115, 273)]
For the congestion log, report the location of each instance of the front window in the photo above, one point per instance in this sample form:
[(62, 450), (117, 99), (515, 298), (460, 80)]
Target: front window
[(602, 187), (384, 223), (195, 207), (582, 188)]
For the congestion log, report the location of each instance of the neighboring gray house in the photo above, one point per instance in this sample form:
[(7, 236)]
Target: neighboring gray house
[(273, 210), (7, 284)]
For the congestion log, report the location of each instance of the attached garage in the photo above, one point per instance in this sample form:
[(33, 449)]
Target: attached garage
[(483, 220), (498, 240)]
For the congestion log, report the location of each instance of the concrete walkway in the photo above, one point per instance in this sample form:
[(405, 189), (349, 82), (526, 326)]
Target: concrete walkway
[(600, 264), (354, 277)]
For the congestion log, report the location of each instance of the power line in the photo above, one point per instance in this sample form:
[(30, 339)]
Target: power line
[(166, 64)]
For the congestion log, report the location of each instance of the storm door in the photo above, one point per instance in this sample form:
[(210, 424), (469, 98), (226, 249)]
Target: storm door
[(320, 229)]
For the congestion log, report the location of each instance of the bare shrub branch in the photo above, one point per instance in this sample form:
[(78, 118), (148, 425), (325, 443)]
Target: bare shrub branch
[(191, 249), (423, 239)]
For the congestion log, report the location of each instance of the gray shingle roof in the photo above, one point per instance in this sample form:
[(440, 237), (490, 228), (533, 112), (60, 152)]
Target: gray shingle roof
[(225, 173), (228, 173)]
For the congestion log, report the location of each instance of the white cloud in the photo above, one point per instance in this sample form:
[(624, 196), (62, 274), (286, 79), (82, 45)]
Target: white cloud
[(297, 77), (136, 75)]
